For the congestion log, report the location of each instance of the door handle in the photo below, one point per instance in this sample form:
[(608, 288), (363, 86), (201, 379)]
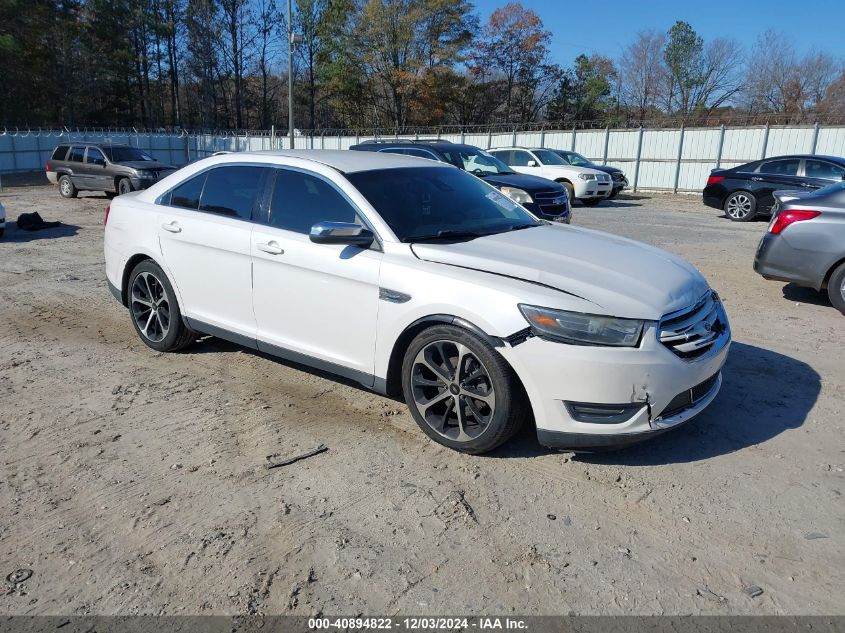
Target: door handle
[(272, 248), (172, 227)]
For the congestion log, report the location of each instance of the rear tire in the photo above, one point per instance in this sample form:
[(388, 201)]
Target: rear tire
[(67, 188), (836, 288), (741, 206), (460, 391), (154, 310), (124, 186)]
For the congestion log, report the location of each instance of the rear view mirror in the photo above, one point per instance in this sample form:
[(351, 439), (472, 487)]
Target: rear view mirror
[(341, 233)]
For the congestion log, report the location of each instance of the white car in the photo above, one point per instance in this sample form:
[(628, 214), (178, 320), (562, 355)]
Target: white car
[(588, 185), (420, 281), (2, 220)]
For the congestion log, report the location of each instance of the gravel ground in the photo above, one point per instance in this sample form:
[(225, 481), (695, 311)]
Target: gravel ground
[(135, 482)]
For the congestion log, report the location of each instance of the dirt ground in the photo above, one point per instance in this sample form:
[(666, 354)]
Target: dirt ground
[(135, 482)]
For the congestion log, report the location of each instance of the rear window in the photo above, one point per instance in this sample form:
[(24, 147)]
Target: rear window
[(76, 154), (784, 167), (59, 153)]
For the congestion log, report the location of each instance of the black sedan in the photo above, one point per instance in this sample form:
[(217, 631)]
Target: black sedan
[(578, 160), (744, 192)]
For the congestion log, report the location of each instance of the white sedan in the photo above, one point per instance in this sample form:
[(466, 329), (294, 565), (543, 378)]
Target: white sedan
[(421, 281), (588, 185)]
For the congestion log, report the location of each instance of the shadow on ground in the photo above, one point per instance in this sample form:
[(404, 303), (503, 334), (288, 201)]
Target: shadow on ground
[(18, 236), (763, 394), (793, 292)]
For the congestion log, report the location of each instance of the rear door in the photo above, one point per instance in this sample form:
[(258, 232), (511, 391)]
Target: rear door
[(75, 165), (315, 300), (771, 175), (819, 172), (205, 227)]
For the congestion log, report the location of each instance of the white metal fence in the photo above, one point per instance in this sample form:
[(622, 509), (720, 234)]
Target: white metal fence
[(660, 159)]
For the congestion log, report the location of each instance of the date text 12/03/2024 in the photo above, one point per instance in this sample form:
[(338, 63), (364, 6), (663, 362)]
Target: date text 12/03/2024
[(419, 623)]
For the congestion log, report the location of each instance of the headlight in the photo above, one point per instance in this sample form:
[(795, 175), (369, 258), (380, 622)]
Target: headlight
[(587, 176), (577, 328), (517, 195)]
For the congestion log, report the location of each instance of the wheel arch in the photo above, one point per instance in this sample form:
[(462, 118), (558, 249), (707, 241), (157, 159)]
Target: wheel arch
[(829, 273), (129, 266), (393, 380)]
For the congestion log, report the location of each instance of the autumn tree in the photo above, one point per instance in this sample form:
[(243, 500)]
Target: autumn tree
[(642, 73)]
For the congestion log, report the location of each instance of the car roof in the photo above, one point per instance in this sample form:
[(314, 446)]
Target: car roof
[(346, 161), (422, 143), (835, 159)]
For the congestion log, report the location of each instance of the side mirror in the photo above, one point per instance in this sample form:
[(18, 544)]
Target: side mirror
[(341, 233), (532, 163)]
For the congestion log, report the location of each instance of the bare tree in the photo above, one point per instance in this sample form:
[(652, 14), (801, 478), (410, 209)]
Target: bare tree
[(719, 78), (642, 73)]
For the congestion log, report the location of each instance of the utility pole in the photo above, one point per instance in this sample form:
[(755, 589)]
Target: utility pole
[(290, 72)]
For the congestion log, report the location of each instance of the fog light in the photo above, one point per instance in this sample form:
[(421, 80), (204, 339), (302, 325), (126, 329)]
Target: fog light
[(603, 413)]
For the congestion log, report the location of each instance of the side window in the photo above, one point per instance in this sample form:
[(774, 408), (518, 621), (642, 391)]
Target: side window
[(301, 200), (76, 154), (59, 153), (504, 155), (784, 167), (520, 159), (187, 195), (232, 191), (822, 169), (420, 153), (393, 150), (95, 157)]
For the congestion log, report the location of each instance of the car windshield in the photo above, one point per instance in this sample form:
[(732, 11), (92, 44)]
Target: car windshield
[(124, 154), (431, 203), (477, 162), (548, 157), (576, 159)]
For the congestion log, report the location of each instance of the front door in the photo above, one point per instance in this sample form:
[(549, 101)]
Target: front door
[(96, 173), (314, 301), (205, 230)]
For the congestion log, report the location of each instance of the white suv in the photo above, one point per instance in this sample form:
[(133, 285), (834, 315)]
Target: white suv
[(588, 185), (420, 281)]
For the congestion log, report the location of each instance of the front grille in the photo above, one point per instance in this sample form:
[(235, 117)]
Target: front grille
[(692, 332), (546, 197), (689, 397), (603, 177)]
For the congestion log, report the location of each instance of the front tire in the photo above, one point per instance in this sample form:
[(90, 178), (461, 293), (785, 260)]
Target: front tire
[(67, 188), (460, 391), (591, 202), (741, 206), (154, 310), (570, 190), (124, 186), (836, 288)]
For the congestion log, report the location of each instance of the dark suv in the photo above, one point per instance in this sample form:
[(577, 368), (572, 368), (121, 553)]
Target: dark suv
[(114, 169), (616, 174), (544, 198)]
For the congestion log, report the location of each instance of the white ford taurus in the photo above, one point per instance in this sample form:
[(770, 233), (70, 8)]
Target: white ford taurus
[(420, 281)]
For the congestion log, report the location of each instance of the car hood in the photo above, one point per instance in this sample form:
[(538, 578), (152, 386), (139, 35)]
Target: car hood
[(523, 181), (145, 165), (620, 277), (607, 169)]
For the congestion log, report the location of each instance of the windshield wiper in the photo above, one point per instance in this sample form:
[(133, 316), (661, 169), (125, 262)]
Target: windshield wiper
[(517, 227), (445, 235)]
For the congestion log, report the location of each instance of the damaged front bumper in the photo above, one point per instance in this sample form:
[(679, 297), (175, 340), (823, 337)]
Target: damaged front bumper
[(599, 397)]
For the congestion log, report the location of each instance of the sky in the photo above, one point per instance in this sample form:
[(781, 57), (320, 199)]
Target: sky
[(607, 26)]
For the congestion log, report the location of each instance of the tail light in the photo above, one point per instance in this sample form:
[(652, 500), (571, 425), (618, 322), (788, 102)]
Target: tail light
[(790, 216), (106, 220), (48, 166), (712, 180)]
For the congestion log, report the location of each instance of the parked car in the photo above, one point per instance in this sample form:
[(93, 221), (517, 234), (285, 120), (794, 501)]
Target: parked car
[(805, 243), (746, 191), (2, 220), (579, 160), (543, 198), (421, 281), (114, 169), (586, 184)]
